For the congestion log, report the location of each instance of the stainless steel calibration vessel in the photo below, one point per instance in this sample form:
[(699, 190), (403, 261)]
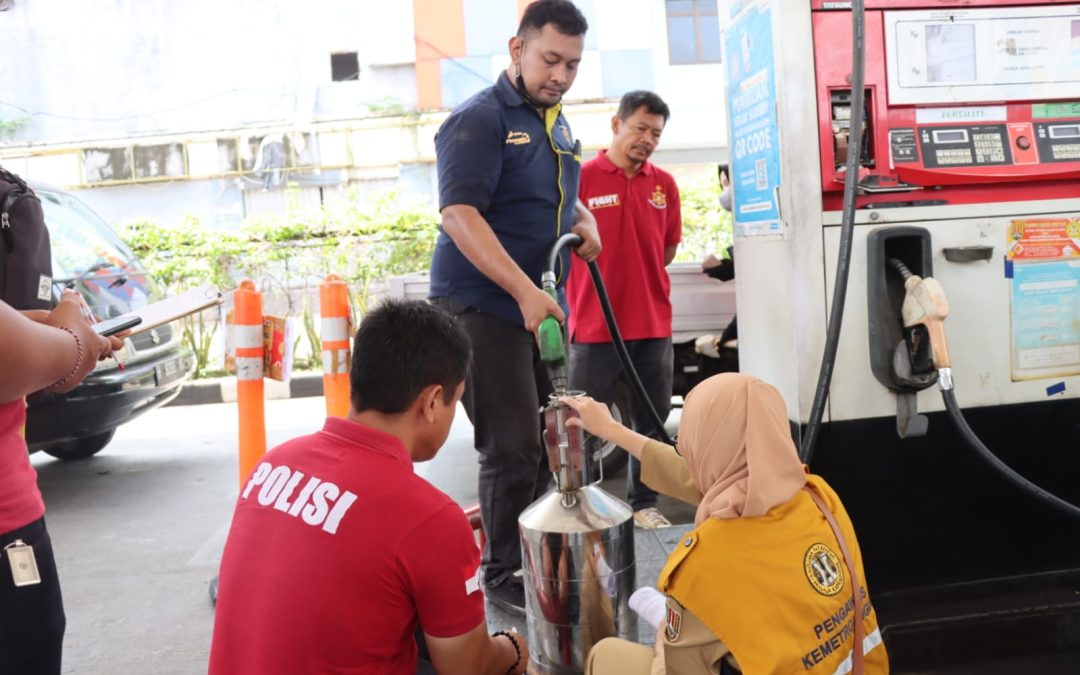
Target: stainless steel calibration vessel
[(577, 545)]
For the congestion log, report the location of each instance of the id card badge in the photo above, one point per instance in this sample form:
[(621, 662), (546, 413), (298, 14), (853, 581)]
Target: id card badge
[(24, 569)]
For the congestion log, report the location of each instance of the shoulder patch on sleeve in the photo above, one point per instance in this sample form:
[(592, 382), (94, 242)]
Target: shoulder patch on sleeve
[(674, 620)]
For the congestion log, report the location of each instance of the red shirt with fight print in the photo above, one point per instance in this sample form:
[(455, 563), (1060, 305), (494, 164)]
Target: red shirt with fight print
[(336, 551), (637, 217)]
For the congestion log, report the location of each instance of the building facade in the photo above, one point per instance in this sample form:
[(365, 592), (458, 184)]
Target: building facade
[(158, 109)]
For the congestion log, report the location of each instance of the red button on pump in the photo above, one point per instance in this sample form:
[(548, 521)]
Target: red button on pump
[(1023, 142)]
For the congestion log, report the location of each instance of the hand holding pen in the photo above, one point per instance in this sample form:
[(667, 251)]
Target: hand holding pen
[(117, 341)]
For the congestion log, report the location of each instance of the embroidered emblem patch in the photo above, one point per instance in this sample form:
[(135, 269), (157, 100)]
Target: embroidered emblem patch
[(518, 138), (658, 198), (823, 570), (602, 202), (674, 621)]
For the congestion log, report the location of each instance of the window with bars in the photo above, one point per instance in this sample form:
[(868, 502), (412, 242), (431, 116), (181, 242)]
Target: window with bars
[(693, 32)]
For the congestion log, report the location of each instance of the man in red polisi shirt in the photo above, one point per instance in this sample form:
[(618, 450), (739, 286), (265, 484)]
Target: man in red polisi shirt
[(338, 551)]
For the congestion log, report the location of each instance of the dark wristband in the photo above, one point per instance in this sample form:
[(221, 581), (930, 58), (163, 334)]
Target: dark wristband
[(517, 649)]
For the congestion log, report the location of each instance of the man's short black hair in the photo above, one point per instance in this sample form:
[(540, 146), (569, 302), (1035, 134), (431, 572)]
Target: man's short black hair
[(562, 14), (632, 100), (401, 348)]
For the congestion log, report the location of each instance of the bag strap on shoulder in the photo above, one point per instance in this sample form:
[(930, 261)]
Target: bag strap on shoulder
[(857, 648)]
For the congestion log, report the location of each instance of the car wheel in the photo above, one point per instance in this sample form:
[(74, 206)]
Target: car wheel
[(82, 448), (613, 457)]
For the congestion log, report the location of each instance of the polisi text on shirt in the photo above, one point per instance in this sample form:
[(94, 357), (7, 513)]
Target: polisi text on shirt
[(318, 503)]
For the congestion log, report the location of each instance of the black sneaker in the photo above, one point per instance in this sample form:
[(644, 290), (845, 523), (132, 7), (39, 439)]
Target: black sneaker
[(509, 595)]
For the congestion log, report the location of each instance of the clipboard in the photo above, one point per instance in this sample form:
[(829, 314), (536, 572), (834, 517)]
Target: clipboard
[(178, 306)]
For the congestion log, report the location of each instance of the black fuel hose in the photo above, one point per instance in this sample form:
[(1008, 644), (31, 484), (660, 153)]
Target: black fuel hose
[(976, 443), (847, 227), (616, 336), (1001, 467)]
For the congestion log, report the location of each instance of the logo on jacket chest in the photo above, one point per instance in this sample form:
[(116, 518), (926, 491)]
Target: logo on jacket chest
[(518, 138), (823, 569), (602, 202)]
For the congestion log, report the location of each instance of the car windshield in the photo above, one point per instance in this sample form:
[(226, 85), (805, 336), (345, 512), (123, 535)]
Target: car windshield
[(88, 255)]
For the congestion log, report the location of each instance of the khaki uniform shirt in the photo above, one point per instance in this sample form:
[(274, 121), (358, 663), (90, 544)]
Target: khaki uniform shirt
[(693, 648)]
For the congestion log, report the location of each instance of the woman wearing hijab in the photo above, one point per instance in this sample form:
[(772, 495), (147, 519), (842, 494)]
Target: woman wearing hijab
[(763, 584)]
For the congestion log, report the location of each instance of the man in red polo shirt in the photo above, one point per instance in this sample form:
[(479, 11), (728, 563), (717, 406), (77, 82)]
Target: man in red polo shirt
[(636, 206), (338, 551)]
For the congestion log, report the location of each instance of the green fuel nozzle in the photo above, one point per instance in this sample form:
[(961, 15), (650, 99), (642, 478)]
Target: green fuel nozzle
[(552, 341)]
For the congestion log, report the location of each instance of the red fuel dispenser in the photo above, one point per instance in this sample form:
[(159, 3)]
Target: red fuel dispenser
[(968, 172)]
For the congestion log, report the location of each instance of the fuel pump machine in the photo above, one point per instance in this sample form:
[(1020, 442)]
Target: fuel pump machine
[(960, 152)]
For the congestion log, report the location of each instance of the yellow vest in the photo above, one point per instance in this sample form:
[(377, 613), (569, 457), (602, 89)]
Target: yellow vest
[(775, 589)]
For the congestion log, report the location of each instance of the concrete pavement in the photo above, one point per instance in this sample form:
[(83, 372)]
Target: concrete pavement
[(138, 530)]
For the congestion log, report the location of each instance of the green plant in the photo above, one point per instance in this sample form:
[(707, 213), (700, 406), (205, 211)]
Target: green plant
[(180, 257), (386, 106), (707, 227), (311, 331), (8, 128), (363, 240)]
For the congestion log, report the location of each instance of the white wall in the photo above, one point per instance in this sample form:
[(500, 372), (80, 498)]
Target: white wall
[(112, 68), (116, 69)]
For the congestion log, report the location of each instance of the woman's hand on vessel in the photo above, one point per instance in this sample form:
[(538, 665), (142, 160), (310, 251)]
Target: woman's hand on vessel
[(595, 416)]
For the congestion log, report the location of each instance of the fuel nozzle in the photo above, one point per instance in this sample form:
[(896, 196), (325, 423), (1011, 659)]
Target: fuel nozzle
[(572, 462), (552, 341), (924, 310)]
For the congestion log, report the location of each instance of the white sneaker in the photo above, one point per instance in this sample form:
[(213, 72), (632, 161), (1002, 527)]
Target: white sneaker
[(650, 519), (706, 346)]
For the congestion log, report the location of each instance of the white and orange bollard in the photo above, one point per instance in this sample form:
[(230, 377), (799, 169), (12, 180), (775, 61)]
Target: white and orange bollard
[(248, 334), (336, 352)]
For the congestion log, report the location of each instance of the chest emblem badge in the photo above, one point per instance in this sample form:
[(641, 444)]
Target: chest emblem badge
[(658, 198), (823, 569)]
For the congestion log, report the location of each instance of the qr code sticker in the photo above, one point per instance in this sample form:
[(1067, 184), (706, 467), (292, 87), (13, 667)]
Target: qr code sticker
[(761, 174)]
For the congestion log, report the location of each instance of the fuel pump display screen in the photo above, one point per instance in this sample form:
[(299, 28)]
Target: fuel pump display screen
[(1058, 142), (972, 102), (1063, 131), (984, 145), (974, 55)]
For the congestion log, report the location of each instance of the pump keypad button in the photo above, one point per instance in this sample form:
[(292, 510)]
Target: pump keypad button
[(1066, 151)]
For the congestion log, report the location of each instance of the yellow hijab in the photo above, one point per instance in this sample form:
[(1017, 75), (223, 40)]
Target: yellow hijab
[(735, 438)]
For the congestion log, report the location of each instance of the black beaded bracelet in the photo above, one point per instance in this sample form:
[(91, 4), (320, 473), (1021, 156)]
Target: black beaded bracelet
[(517, 649)]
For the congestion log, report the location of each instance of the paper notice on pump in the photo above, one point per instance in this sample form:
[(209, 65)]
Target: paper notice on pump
[(170, 309), (1043, 239), (650, 604), (1045, 319)]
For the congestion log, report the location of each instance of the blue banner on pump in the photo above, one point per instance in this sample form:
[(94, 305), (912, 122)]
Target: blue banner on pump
[(755, 141)]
